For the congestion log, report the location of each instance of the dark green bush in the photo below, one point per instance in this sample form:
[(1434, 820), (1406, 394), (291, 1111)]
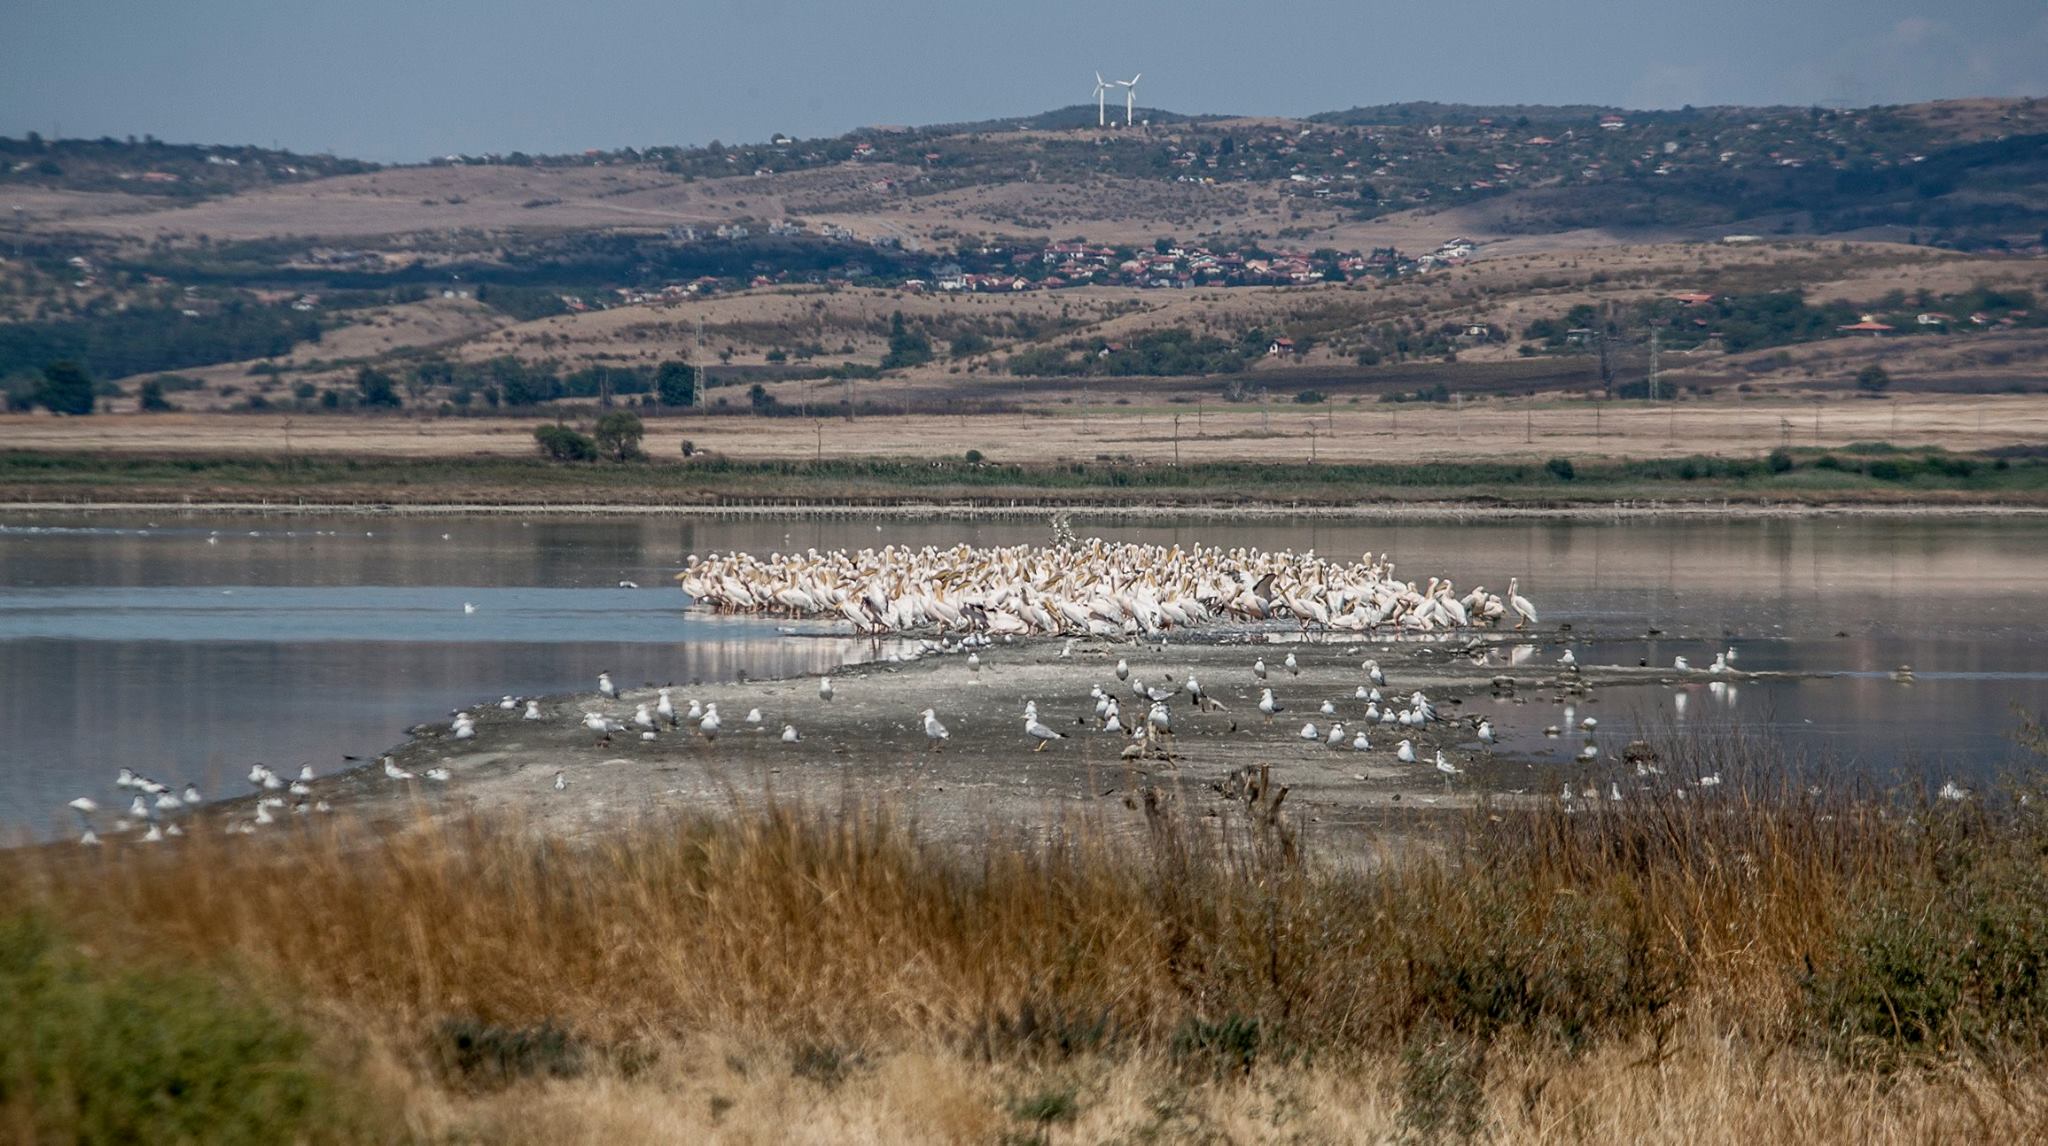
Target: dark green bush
[(563, 444), (1561, 469), (1781, 461)]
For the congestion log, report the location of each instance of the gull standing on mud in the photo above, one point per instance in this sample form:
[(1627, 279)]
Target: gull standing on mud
[(1039, 732), (605, 686), (824, 688), (935, 734)]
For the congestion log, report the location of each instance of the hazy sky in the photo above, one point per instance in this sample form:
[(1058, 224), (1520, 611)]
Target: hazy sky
[(409, 79)]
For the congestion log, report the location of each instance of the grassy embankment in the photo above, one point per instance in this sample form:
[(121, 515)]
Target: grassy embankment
[(1758, 961), (1867, 473)]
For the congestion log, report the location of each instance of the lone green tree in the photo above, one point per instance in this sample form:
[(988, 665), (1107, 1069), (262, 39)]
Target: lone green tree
[(66, 389), (675, 384), (563, 444), (1872, 379), (151, 398), (377, 389), (907, 347), (618, 435)]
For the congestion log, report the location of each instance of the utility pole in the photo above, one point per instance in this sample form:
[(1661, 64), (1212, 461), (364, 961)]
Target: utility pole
[(820, 428), (1265, 418), (1198, 415), (1528, 424), (1311, 443), (1176, 440), (604, 388), (1606, 363), (1816, 421), (1596, 421), (1654, 347)]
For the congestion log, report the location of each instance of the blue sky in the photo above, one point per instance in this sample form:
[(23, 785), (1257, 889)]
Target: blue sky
[(409, 79)]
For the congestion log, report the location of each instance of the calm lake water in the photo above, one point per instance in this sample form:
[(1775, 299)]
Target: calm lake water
[(189, 647)]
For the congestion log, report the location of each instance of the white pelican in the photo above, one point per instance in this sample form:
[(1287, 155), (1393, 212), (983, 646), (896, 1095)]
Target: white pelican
[(1040, 733), (1405, 752), (1525, 613), (935, 734), (605, 686), (789, 734)]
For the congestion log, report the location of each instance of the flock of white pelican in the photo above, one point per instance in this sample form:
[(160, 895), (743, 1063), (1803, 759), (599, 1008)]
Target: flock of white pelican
[(1105, 589)]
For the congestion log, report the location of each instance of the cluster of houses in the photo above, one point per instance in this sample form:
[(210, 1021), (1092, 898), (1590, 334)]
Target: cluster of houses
[(1080, 263)]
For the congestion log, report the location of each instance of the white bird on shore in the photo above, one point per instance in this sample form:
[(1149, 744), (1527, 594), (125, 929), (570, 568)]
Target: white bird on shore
[(1525, 613), (935, 734), (561, 782), (192, 797), (1123, 669), (533, 710), (1293, 666), (1040, 733), (1160, 718), (1114, 722), (1336, 736), (507, 703), (300, 788), (710, 724), (439, 775), (1194, 691), (1361, 693), (1405, 752), (1589, 752), (1445, 766), (824, 688), (465, 728), (1268, 705), (1308, 731), (1952, 791), (125, 778), (1374, 674), (468, 608), (1259, 668), (1329, 708), (1679, 664), (789, 734), (392, 770), (753, 716), (1568, 659), (605, 686), (973, 662), (696, 711), (629, 584), (1714, 781), (1359, 743), (665, 705), (643, 716), (601, 724), (1486, 731), (1067, 650)]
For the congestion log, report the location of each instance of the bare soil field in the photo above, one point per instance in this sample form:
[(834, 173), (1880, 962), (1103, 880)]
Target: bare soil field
[(1091, 427)]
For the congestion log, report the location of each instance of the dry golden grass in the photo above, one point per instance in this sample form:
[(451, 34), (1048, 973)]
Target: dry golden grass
[(1755, 962)]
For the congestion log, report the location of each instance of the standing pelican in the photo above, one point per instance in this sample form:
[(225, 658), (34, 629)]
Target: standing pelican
[(1525, 613)]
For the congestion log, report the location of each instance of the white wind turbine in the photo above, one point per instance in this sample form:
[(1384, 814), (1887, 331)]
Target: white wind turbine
[(1101, 108), (1130, 87)]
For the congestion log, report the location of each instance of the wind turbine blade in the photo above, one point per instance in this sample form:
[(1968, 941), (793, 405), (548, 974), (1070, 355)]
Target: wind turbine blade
[(1136, 78)]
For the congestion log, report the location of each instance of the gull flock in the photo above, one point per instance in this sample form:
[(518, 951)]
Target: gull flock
[(1102, 589)]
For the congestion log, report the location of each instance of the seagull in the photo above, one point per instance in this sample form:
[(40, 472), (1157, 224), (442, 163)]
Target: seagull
[(1373, 673), (665, 706), (1194, 690), (1308, 731), (468, 608), (1570, 661), (973, 662), (824, 688), (1445, 766), (643, 716), (629, 584), (1114, 722), (1160, 718), (1360, 693), (192, 797), (1259, 668), (605, 686), (1405, 752), (1040, 733), (709, 725), (789, 735), (1949, 791), (1067, 650), (1589, 724), (753, 716), (1589, 752), (1293, 666), (1336, 736), (438, 774), (392, 770), (561, 784), (465, 728), (126, 778), (935, 734), (533, 710), (1123, 669), (1359, 743), (696, 712), (1267, 705), (507, 703), (1678, 663), (1486, 731), (1329, 708)]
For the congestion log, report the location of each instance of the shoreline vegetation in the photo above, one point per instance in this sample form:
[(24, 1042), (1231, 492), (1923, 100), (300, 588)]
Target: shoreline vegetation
[(1776, 955), (1863, 477)]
